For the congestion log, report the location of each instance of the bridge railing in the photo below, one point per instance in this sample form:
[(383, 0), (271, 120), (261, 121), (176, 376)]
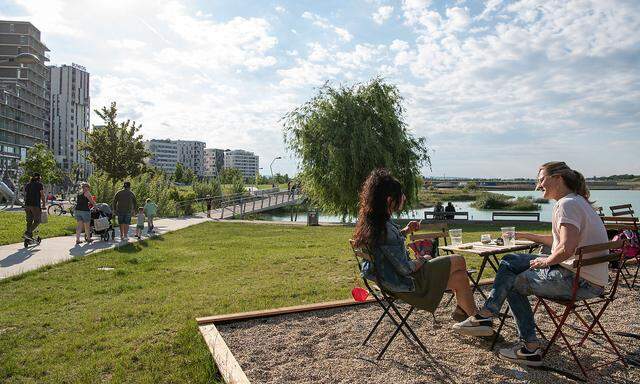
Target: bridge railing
[(236, 205)]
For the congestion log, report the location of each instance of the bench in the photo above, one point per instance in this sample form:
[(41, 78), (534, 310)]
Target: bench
[(443, 215), (501, 216)]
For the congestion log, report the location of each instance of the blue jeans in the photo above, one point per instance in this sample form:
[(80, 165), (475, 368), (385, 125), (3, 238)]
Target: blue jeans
[(515, 281)]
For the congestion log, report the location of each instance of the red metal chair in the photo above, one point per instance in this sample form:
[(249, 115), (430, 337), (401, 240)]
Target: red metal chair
[(576, 307), (615, 225), (621, 210)]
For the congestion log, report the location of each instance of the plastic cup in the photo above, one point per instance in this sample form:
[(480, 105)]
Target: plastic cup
[(485, 239), (456, 236), (509, 236)]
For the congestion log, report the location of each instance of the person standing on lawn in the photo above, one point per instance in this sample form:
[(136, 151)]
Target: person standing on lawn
[(34, 202), (150, 210), (124, 205), (574, 224)]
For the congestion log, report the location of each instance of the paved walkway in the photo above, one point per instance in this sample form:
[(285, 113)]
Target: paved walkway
[(15, 259)]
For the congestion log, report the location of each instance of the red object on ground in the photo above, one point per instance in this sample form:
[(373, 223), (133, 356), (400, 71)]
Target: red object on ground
[(359, 294)]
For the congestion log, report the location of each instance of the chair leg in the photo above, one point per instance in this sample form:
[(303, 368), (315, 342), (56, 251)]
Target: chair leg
[(497, 334), (535, 310), (384, 313), (415, 337), (559, 332), (635, 277), (403, 321)]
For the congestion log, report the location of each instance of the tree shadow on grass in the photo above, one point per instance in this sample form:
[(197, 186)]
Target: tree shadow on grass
[(138, 245)]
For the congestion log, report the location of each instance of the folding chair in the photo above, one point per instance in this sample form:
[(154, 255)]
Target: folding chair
[(614, 225), (387, 302), (572, 306), (621, 210)]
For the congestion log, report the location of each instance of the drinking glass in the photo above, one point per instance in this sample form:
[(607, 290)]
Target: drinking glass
[(456, 236), (485, 239), (509, 236)]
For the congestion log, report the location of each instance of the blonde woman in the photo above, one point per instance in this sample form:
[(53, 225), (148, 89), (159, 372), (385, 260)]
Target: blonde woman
[(82, 212), (574, 224)]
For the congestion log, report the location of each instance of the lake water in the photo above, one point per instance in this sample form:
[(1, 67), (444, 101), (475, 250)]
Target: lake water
[(602, 198)]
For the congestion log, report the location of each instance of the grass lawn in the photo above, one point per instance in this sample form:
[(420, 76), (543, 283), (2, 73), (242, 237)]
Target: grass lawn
[(12, 226), (73, 323), (428, 198)]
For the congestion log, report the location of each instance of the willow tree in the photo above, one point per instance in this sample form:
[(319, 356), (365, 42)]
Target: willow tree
[(343, 133)]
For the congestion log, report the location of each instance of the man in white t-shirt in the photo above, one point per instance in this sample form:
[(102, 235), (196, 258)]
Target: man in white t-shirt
[(574, 224)]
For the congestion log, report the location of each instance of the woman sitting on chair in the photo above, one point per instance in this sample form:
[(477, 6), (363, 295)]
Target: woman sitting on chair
[(419, 282), (574, 224)]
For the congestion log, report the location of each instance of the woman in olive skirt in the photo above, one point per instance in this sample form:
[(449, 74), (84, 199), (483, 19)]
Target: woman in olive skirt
[(420, 282)]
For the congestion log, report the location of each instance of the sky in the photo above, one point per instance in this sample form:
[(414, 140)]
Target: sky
[(496, 87)]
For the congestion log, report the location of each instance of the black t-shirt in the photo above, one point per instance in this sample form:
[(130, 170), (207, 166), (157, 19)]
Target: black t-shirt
[(32, 194)]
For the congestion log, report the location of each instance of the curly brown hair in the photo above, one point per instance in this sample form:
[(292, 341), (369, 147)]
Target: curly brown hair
[(373, 210)]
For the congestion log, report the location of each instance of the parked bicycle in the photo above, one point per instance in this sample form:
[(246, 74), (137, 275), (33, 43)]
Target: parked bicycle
[(58, 209)]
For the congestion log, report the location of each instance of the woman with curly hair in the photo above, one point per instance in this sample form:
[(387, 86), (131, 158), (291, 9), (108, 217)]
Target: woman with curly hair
[(420, 282)]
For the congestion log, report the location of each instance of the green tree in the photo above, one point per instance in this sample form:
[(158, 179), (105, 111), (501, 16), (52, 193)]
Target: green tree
[(237, 186), (188, 176), (343, 133), (115, 149), (228, 175), (178, 175), (41, 160)]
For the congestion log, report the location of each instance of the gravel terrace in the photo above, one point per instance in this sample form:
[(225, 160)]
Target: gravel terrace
[(325, 347)]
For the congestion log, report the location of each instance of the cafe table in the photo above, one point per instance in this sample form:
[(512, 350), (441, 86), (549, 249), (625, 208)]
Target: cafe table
[(489, 253)]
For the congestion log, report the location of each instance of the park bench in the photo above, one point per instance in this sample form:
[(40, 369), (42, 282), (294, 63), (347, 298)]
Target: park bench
[(500, 216), (443, 215)]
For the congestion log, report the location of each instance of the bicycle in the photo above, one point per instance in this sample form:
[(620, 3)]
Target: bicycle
[(57, 209)]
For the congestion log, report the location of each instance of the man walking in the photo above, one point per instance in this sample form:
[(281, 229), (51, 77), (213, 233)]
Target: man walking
[(34, 202), (124, 205)]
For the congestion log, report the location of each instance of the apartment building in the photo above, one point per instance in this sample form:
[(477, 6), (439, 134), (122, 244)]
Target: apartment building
[(245, 161)]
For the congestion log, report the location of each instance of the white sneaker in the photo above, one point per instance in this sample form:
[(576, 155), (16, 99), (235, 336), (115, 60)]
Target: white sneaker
[(519, 354), (474, 327)]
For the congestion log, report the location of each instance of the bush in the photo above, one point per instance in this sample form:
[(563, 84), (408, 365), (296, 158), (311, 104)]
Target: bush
[(211, 188), (491, 201)]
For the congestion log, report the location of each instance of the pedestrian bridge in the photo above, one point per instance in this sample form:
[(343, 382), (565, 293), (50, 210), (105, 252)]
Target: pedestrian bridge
[(237, 206)]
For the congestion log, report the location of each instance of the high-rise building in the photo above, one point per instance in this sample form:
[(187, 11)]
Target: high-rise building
[(70, 111), (245, 161), (191, 155), (213, 161), (164, 154), (24, 92)]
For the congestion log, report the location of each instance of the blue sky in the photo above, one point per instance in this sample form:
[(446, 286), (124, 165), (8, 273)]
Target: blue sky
[(496, 87)]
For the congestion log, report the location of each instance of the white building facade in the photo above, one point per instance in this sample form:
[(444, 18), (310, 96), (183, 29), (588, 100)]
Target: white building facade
[(247, 162), (70, 115), (164, 154), (210, 168), (191, 155)]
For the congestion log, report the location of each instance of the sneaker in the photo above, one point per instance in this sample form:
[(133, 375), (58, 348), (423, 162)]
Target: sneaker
[(459, 314), (473, 326), (519, 354)]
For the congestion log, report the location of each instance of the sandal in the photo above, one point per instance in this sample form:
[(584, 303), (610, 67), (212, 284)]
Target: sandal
[(89, 240)]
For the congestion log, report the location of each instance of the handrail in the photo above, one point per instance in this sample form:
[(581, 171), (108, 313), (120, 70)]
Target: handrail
[(238, 204)]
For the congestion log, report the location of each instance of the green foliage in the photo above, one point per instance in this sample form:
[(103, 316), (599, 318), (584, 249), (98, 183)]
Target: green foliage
[(116, 149), (237, 187), (228, 175), (189, 176), (495, 201), (179, 173), (343, 133), (41, 160), (204, 188)]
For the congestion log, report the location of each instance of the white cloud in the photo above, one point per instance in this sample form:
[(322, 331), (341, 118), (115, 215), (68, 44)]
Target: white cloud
[(399, 45), (325, 24), (280, 9), (382, 14), (126, 44)]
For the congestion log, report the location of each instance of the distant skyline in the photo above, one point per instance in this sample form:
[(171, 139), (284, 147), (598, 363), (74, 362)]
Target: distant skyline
[(496, 87)]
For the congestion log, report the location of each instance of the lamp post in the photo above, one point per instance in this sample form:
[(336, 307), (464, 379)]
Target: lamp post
[(273, 184), (22, 58)]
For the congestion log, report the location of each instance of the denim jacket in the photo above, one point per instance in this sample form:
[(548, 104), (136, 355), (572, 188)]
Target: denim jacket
[(391, 259)]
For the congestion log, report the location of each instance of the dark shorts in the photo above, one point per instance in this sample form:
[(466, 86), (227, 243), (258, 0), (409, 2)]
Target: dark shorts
[(84, 216), (124, 218)]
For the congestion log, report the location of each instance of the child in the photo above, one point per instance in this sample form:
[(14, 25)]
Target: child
[(150, 209), (140, 223)]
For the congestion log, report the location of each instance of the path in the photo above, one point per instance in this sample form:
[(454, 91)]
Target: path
[(15, 259)]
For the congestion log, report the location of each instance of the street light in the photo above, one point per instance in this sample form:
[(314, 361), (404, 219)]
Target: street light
[(271, 169), (22, 58)]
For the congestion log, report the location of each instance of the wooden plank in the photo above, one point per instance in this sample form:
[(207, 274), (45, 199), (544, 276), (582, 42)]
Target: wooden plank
[(227, 364), (220, 319)]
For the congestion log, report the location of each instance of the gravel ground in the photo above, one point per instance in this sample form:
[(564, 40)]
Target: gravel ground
[(325, 347)]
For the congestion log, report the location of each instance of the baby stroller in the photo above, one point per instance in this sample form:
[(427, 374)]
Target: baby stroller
[(101, 221)]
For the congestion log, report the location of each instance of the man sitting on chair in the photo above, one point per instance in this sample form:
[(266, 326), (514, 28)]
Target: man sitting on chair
[(574, 224), (420, 282)]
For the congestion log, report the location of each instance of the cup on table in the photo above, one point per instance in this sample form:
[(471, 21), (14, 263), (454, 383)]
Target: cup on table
[(485, 239), (456, 236), (509, 236)]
